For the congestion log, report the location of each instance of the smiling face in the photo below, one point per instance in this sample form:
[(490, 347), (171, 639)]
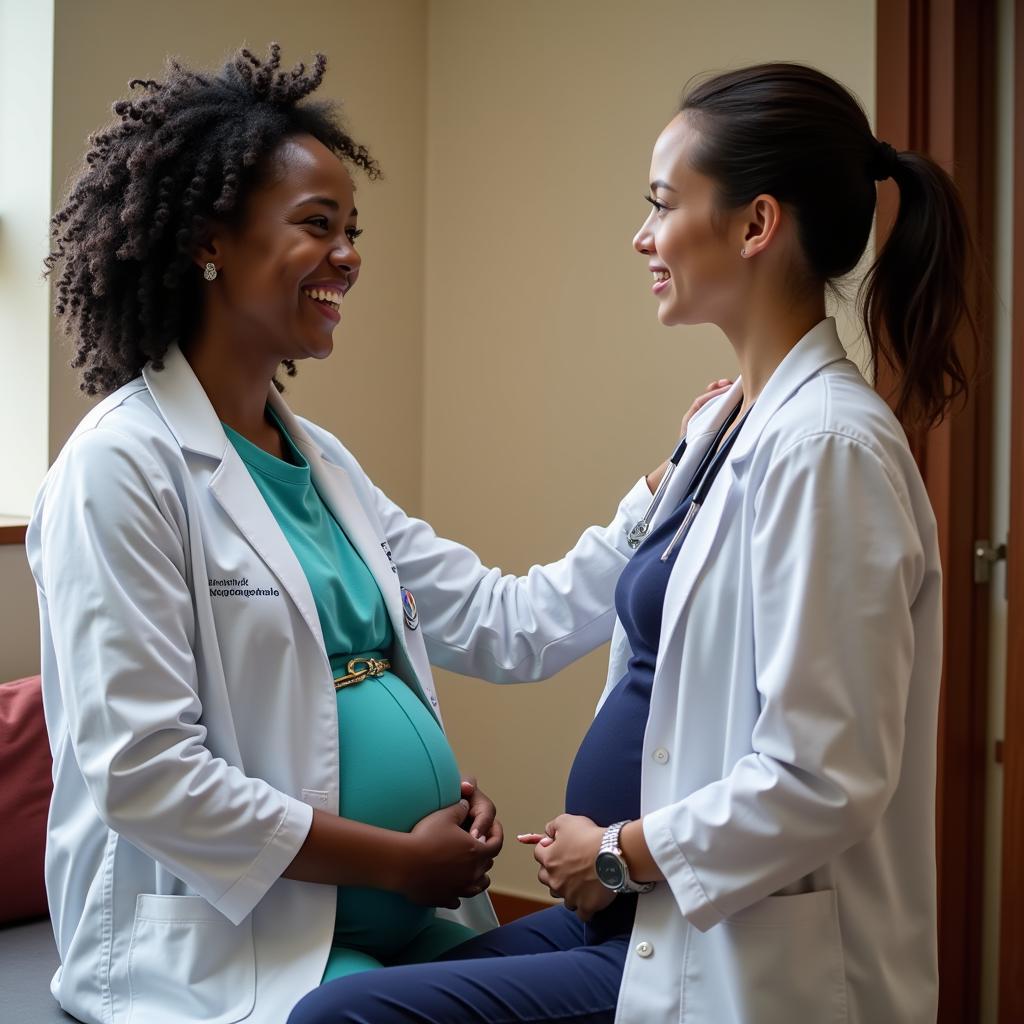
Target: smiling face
[(284, 270), (693, 248)]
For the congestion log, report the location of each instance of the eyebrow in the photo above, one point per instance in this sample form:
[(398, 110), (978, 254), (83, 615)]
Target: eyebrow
[(331, 204), (661, 184)]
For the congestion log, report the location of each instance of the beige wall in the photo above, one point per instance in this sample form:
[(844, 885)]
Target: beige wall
[(548, 384), (26, 55), (500, 368), (19, 622)]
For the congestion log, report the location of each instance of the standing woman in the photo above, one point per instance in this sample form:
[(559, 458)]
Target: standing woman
[(252, 789), (749, 827)]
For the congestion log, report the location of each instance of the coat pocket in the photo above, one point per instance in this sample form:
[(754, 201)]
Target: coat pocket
[(776, 962), (187, 963)]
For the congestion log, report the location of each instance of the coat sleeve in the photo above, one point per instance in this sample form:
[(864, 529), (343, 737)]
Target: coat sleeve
[(113, 572), (505, 628), (836, 564)]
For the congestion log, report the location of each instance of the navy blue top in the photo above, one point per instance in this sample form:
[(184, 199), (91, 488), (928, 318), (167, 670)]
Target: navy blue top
[(604, 781)]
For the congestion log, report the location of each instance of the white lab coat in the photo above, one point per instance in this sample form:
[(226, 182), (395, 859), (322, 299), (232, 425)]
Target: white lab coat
[(788, 780), (190, 703)]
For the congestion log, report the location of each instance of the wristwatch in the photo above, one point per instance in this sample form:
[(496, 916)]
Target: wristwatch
[(612, 870)]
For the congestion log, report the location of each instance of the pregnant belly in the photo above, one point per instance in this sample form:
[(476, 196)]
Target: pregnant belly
[(396, 768), (604, 780)]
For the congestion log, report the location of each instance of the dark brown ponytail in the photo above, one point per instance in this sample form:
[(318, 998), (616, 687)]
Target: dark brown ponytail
[(792, 132), (914, 295)]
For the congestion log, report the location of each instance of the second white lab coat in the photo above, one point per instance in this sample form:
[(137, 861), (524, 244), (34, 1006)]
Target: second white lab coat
[(190, 704), (788, 769)]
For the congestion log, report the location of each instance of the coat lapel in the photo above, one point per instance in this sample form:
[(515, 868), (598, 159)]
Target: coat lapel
[(700, 432), (239, 497), (817, 349), (338, 492), (191, 418)]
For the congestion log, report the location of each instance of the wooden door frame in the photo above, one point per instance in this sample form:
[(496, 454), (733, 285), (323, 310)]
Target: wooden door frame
[(1011, 927), (935, 94)]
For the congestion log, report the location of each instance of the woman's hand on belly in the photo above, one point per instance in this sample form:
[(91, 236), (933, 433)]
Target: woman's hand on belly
[(567, 857), (482, 818), (436, 864), (443, 862)]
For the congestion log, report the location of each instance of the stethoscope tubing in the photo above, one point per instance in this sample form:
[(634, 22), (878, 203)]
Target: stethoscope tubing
[(704, 477), (643, 524)]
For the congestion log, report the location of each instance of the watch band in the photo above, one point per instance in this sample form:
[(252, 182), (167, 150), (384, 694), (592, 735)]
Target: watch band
[(610, 845)]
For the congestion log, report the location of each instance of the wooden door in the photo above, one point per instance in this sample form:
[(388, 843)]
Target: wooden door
[(1011, 939), (935, 94)]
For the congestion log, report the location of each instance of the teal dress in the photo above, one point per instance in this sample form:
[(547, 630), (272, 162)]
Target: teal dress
[(396, 766)]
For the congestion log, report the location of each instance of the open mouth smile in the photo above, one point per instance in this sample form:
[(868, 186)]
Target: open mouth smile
[(328, 301)]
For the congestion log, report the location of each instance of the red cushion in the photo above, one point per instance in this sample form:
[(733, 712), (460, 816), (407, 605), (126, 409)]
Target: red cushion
[(25, 786)]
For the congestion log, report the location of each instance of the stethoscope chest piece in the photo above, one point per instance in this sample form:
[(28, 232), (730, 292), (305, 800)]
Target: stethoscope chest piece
[(643, 525), (637, 534)]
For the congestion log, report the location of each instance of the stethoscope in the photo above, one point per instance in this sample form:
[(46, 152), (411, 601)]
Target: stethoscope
[(703, 477)]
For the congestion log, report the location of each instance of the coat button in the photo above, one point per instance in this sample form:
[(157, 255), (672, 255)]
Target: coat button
[(661, 755), (645, 949)]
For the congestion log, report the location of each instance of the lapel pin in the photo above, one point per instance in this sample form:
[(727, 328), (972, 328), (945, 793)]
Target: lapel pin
[(412, 619)]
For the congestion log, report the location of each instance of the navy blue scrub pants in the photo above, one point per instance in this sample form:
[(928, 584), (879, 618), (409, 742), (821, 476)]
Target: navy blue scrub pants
[(539, 968)]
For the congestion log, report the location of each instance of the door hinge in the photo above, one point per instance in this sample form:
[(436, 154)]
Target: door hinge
[(986, 554)]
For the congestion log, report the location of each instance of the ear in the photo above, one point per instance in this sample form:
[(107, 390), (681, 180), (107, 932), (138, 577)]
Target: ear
[(208, 251), (762, 224)]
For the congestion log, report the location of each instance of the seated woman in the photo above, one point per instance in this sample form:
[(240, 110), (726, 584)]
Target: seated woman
[(749, 836), (235, 668)]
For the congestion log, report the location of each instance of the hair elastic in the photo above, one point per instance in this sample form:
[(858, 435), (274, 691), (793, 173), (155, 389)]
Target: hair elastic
[(883, 162)]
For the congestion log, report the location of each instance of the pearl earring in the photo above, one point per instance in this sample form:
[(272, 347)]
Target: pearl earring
[(210, 272), (743, 251)]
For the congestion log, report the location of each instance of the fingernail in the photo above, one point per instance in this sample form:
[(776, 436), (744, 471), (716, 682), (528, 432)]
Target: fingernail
[(475, 833), (546, 841)]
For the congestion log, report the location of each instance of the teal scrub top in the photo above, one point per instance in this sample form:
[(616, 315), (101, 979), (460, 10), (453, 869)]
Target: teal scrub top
[(395, 763)]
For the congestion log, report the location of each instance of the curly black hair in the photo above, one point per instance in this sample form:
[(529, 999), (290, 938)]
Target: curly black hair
[(179, 158)]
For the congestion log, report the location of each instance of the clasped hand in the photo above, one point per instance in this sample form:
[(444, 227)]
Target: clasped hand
[(566, 855), (453, 849)]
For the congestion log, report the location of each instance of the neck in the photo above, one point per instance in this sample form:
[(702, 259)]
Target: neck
[(765, 337), (235, 378)]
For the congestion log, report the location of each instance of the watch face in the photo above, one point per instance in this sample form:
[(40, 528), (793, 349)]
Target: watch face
[(610, 870)]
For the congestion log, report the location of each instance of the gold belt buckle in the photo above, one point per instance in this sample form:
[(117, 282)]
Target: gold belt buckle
[(373, 667)]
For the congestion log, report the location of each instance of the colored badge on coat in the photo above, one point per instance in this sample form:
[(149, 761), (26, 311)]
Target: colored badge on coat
[(412, 619)]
